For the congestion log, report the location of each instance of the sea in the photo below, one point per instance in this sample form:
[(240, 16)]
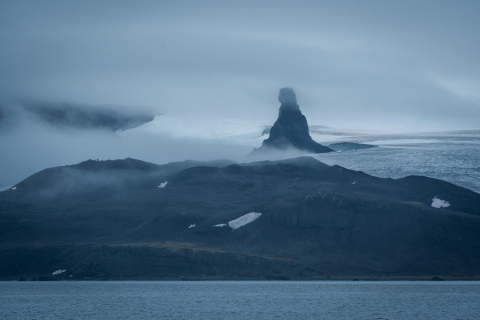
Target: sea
[(240, 300)]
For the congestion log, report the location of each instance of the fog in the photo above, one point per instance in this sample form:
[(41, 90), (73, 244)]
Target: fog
[(211, 70), (33, 145)]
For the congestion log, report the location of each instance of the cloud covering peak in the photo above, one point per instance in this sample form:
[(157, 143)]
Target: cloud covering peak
[(370, 64)]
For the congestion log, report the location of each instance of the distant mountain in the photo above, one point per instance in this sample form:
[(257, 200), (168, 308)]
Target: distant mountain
[(290, 131), (296, 218)]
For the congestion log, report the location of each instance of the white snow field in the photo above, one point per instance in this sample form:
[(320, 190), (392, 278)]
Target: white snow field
[(450, 156), (221, 225), (163, 184), (58, 272), (244, 220), (438, 203)]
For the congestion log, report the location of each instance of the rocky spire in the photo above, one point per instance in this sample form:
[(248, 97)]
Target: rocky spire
[(291, 128)]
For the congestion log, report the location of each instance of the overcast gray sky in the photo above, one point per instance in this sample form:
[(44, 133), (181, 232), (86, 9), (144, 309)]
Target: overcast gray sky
[(376, 65)]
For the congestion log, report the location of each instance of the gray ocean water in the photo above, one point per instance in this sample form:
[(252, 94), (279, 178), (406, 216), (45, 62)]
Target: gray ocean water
[(240, 300)]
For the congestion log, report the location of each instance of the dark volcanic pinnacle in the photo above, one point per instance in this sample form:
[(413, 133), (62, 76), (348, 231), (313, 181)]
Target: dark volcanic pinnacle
[(290, 131)]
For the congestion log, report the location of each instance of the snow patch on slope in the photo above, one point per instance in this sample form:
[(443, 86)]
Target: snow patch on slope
[(60, 271), (163, 184), (244, 220), (437, 203)]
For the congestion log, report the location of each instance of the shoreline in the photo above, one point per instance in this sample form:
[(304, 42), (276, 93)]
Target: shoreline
[(432, 278)]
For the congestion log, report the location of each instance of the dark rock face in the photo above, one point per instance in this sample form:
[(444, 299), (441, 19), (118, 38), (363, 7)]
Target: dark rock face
[(290, 131)]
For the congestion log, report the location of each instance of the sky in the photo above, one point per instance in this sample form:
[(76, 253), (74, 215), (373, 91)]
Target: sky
[(211, 71)]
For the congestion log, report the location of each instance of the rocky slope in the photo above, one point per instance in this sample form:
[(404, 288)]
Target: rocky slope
[(119, 219)]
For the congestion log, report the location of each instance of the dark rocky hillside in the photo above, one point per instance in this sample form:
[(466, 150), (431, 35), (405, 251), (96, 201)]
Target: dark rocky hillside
[(119, 220)]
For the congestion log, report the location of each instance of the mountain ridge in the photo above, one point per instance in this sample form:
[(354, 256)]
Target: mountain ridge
[(316, 221)]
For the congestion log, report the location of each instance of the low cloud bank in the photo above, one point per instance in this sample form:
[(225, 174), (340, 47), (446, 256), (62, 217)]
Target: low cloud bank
[(31, 143), (109, 118)]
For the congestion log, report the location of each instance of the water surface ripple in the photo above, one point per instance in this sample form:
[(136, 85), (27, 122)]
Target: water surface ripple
[(239, 300)]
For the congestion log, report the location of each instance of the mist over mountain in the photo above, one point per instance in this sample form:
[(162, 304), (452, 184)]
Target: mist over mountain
[(399, 66), (110, 118), (356, 67), (75, 80)]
